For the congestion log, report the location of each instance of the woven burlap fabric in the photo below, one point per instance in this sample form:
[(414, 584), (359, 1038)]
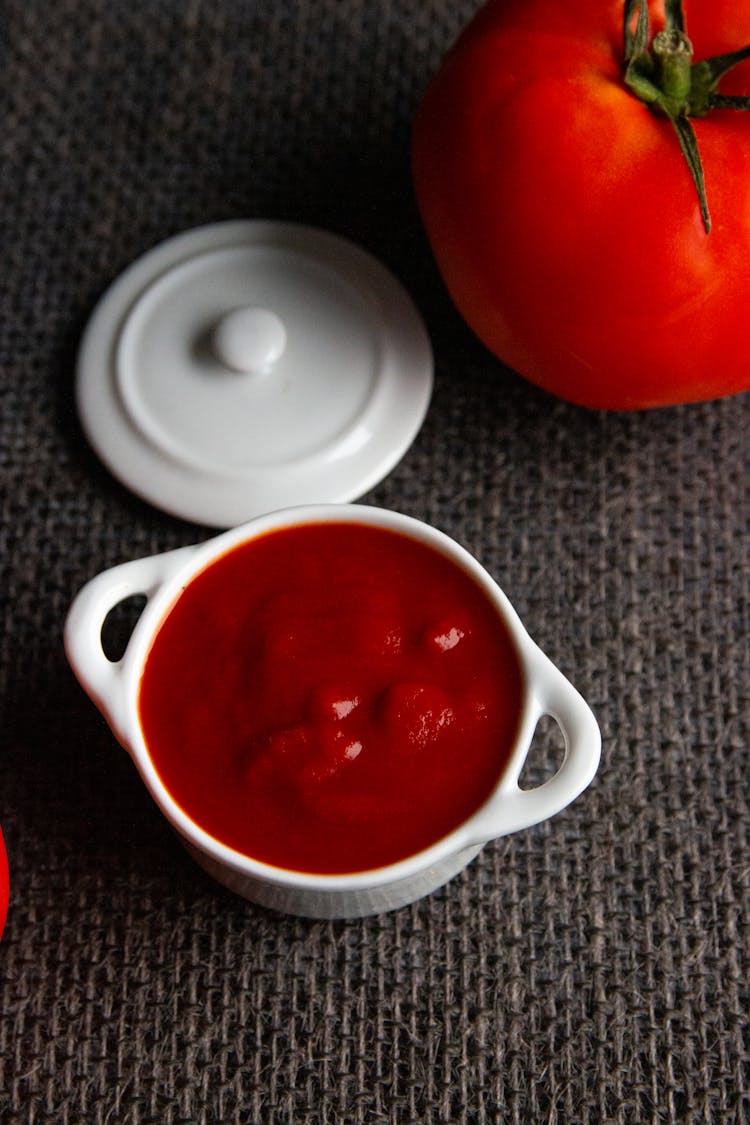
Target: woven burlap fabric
[(590, 970)]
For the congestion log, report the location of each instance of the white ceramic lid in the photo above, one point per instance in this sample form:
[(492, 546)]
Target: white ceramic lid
[(253, 365)]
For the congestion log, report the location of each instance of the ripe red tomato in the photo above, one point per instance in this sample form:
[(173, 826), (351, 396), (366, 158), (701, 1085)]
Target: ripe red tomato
[(562, 213), (4, 884)]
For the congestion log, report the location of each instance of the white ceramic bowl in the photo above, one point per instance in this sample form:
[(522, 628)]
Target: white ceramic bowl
[(114, 687)]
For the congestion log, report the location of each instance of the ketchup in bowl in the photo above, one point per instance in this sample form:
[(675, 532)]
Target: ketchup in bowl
[(330, 697)]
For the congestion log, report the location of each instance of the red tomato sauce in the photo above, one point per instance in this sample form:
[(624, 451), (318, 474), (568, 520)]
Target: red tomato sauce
[(330, 698)]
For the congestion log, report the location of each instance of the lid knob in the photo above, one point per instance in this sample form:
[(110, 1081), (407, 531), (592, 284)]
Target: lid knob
[(249, 340)]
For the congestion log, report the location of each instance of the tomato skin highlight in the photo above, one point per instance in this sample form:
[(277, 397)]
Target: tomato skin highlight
[(562, 214)]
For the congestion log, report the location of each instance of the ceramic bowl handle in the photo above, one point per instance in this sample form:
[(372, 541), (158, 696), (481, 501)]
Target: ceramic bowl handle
[(99, 676), (512, 808)]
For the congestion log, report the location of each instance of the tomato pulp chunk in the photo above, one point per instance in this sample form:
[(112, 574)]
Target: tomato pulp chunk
[(331, 697)]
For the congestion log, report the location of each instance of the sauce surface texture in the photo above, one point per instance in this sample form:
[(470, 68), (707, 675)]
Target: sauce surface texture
[(330, 698)]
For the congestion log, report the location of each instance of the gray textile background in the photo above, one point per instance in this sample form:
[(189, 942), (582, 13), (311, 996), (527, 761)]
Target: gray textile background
[(591, 970)]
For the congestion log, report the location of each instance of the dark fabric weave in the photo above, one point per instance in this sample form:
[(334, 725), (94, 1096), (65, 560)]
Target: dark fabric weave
[(591, 970)]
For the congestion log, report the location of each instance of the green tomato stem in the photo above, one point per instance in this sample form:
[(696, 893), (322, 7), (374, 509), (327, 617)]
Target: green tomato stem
[(673, 53), (664, 77)]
